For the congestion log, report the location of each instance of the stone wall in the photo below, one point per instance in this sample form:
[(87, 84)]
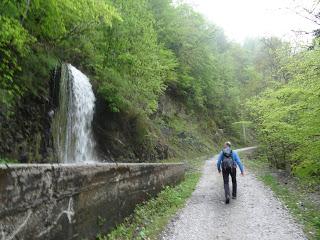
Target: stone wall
[(55, 201)]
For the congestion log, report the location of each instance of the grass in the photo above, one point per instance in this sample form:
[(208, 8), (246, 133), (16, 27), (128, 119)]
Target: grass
[(149, 218), (295, 199), (7, 160)]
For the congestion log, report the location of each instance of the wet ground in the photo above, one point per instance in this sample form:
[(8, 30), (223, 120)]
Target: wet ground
[(255, 214)]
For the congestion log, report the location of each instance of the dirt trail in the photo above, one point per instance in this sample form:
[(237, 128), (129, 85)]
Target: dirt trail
[(255, 214)]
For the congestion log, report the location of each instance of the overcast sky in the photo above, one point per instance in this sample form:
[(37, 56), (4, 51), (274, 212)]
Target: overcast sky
[(255, 18)]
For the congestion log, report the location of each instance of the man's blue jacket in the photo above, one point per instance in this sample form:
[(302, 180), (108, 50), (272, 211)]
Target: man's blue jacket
[(235, 158)]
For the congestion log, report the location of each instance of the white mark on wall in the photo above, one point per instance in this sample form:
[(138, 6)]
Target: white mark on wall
[(2, 233), (18, 229), (69, 212)]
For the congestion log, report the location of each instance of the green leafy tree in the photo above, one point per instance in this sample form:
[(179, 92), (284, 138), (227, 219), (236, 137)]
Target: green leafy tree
[(287, 118), (134, 66)]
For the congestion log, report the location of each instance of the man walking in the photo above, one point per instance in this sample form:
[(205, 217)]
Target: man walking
[(228, 161)]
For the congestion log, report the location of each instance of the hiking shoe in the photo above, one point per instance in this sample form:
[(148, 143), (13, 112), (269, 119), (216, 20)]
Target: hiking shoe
[(227, 200)]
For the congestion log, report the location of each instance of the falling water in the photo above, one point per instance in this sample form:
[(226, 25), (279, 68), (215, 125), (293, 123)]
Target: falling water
[(72, 125)]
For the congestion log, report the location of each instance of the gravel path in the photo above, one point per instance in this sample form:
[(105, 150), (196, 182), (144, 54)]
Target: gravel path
[(255, 214)]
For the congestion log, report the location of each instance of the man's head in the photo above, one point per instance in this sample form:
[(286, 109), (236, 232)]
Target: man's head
[(227, 145)]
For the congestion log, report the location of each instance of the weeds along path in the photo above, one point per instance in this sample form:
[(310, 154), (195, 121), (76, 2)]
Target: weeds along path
[(255, 214)]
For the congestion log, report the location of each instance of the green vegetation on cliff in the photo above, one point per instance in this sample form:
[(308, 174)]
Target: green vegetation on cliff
[(162, 72)]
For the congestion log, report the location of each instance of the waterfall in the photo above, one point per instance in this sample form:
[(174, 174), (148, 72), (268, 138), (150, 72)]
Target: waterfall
[(72, 133)]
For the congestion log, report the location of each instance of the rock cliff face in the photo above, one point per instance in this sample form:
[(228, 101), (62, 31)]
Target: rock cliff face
[(75, 201), (122, 137), (27, 134), (26, 131)]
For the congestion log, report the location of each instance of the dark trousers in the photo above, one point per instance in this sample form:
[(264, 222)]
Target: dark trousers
[(233, 173)]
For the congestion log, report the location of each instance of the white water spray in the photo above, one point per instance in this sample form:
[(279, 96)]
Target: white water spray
[(74, 140)]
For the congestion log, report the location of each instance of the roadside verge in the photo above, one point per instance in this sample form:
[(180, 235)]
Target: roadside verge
[(297, 197)]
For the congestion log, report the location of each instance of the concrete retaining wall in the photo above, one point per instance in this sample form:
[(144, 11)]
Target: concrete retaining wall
[(75, 201)]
